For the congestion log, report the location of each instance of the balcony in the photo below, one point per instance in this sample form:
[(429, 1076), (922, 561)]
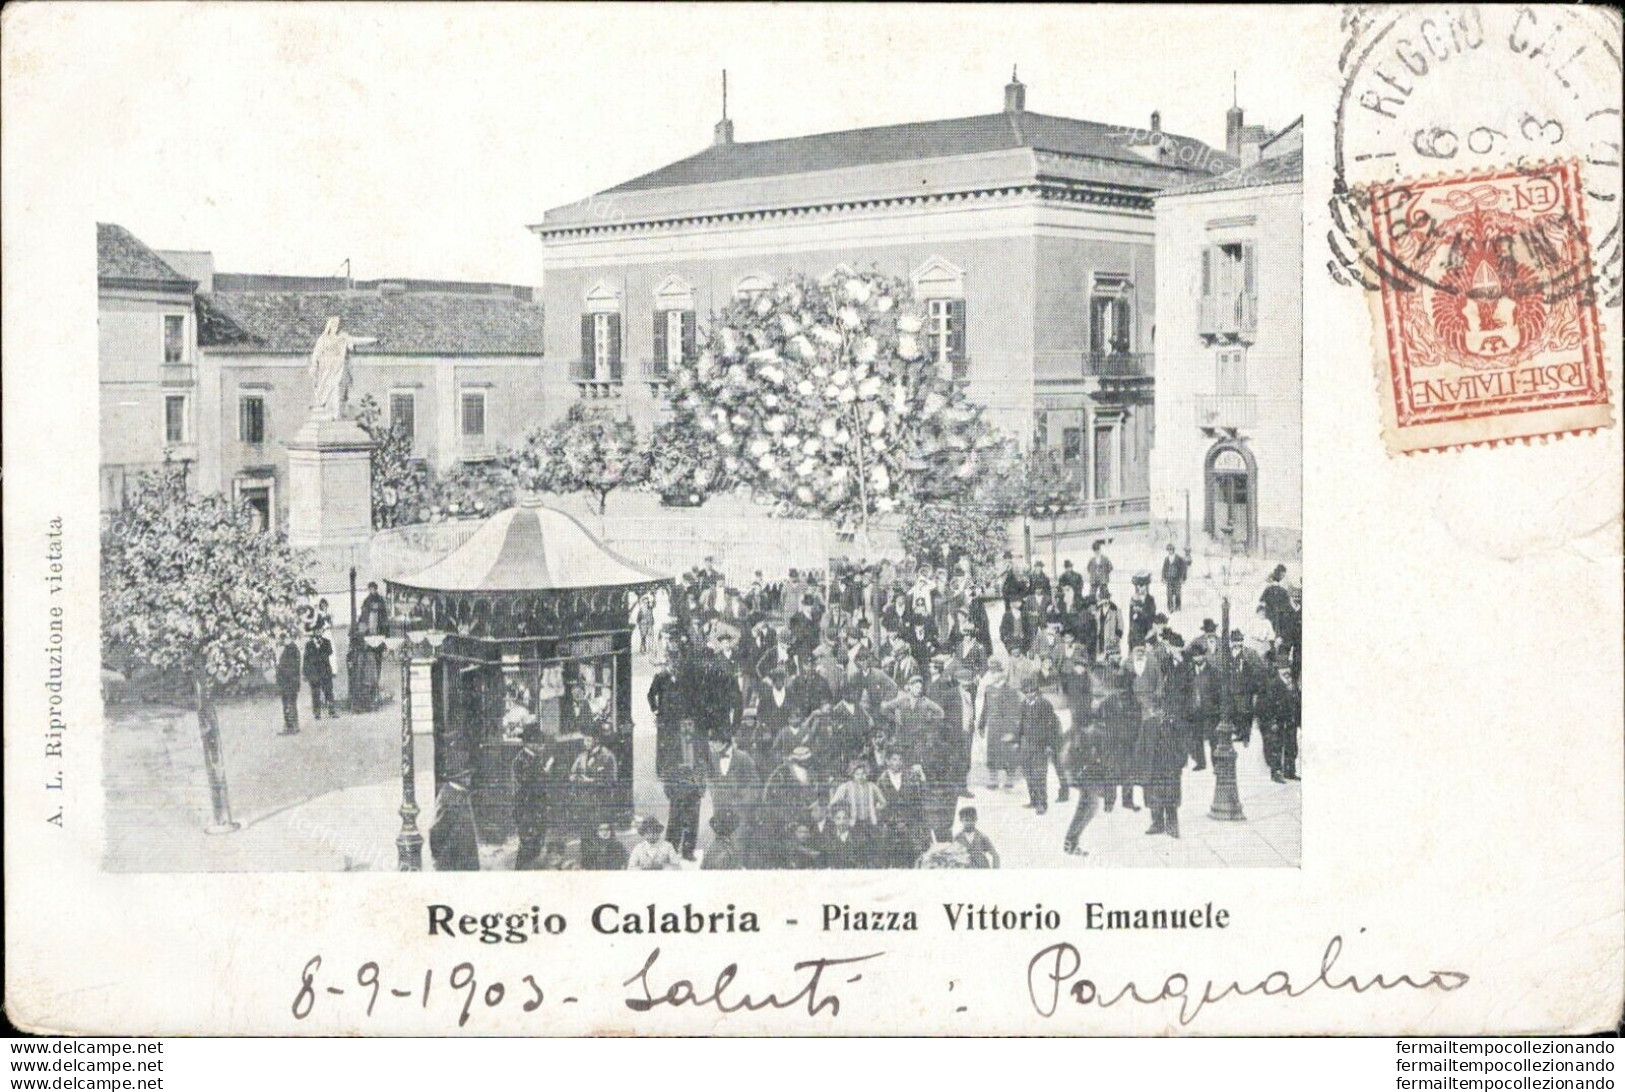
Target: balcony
[(1118, 365), (1227, 412), (178, 374), (656, 373), (597, 382), (1233, 316)]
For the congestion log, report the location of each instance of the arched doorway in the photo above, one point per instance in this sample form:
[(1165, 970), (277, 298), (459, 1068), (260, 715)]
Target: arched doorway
[(1232, 494)]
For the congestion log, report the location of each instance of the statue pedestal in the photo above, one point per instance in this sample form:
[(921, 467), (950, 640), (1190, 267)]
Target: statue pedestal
[(330, 487)]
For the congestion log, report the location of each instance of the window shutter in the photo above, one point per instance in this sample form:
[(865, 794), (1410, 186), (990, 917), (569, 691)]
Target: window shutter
[(1247, 269), (689, 336), (956, 331), (1207, 271), (1121, 340), (586, 338), (615, 345), (660, 339)]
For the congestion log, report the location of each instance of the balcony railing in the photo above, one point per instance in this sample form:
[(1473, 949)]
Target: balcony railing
[(1118, 365), (595, 381), (1226, 411), (1227, 316), (654, 371), (587, 371)]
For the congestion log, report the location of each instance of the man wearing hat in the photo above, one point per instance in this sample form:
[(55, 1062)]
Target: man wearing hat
[(1070, 578), (453, 844), (532, 778), (1248, 675), (1038, 735), (1209, 639), (1142, 610), (789, 794), (1280, 711), (1205, 698), (1174, 570), (1100, 567), (956, 695), (1108, 625), (1275, 597), (998, 722)]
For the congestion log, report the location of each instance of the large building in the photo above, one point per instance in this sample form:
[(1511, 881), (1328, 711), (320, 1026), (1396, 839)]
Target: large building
[(213, 367), (148, 357), (1029, 238), (1227, 466)]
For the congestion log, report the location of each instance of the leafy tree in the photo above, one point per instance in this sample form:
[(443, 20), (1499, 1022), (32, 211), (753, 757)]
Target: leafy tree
[(400, 483), (678, 467), (586, 450), (189, 585), (820, 394), (942, 532), (469, 491)]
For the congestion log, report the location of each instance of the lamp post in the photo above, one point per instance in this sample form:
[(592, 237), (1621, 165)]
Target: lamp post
[(1226, 798), (409, 842)]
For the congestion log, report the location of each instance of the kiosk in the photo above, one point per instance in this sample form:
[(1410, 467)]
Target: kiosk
[(527, 623)]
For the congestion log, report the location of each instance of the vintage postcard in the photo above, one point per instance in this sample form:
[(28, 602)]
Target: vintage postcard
[(863, 464)]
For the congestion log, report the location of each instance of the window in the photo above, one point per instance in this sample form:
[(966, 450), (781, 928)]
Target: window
[(674, 336), (749, 287), (474, 414), (403, 414), (1229, 289), (1105, 448), (1071, 446), (945, 330), (601, 345), (175, 431), (251, 418), (1109, 328), (1231, 373), (174, 339)]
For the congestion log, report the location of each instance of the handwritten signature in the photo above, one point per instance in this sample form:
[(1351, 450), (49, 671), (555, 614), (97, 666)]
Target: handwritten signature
[(1050, 971), (683, 992)]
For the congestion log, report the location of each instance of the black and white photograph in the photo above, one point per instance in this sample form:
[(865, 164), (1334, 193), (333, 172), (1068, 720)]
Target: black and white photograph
[(902, 495), (864, 462)]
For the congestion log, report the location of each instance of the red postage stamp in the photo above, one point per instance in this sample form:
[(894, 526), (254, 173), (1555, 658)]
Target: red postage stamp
[(1489, 327)]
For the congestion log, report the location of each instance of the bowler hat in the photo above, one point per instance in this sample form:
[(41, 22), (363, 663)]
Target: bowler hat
[(1209, 626), (1160, 619), (650, 825), (1235, 635)]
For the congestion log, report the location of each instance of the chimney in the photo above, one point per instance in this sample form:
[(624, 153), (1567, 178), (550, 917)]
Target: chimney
[(1232, 130), (1015, 94), (1156, 121), (1232, 121), (724, 132)]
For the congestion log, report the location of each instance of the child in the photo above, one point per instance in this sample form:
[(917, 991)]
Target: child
[(975, 843), (654, 853), (605, 853)]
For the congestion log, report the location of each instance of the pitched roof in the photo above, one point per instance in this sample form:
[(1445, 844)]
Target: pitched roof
[(450, 323), (121, 256), (1003, 131), (529, 548), (1274, 171)]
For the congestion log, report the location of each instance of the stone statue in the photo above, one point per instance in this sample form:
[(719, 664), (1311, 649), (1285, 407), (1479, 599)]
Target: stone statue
[(330, 372)]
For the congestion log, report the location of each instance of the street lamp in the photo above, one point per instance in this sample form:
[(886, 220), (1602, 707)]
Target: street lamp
[(409, 842), (1226, 798)]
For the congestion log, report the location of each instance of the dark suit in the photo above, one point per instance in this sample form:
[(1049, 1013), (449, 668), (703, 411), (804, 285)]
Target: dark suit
[(855, 851), (287, 685), (1203, 712), (958, 727), (319, 674), (1038, 734)]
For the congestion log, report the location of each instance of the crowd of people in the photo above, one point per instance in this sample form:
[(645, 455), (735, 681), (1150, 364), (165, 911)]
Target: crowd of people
[(832, 723)]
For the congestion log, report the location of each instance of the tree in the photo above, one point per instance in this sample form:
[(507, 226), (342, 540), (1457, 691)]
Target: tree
[(586, 450), (943, 532), (678, 468), (400, 483), (820, 395), (189, 585)]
